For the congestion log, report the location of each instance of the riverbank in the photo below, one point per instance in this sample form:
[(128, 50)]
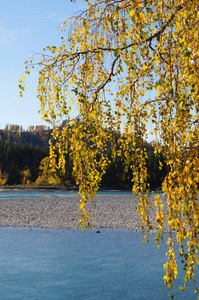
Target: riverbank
[(62, 212)]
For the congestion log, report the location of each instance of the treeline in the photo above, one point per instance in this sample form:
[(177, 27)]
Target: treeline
[(24, 159), (34, 135), (19, 163)]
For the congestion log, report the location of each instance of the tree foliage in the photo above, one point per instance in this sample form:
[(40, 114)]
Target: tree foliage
[(26, 174), (123, 65), (34, 135), (46, 177), (3, 178), (20, 163)]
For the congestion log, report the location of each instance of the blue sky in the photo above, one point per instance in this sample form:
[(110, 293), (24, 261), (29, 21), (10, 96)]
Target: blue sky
[(26, 27)]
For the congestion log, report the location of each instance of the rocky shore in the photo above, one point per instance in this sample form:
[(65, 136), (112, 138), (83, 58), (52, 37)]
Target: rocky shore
[(62, 212)]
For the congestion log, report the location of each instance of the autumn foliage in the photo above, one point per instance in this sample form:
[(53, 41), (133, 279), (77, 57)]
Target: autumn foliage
[(130, 66)]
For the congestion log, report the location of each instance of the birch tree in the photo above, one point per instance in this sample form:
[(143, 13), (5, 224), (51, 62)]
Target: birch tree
[(121, 66)]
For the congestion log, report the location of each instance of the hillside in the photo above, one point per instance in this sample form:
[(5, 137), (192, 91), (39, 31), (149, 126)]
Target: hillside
[(34, 135)]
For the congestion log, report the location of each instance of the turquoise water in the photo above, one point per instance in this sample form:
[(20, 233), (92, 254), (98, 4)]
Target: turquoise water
[(23, 194), (32, 193), (75, 264)]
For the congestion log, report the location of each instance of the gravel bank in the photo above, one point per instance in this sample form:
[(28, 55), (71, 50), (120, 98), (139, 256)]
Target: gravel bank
[(62, 212)]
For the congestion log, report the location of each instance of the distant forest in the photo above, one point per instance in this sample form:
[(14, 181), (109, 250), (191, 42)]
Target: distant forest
[(24, 159), (34, 135)]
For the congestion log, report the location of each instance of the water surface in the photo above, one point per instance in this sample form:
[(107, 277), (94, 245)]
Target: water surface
[(71, 264), (16, 193)]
